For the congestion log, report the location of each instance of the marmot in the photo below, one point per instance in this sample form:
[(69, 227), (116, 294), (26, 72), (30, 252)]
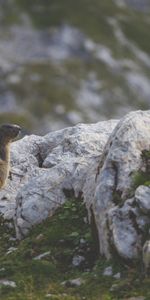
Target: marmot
[(8, 132)]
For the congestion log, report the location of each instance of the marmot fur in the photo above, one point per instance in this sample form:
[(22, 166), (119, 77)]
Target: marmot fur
[(8, 132)]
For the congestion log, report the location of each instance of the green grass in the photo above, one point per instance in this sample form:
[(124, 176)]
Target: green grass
[(61, 236), (142, 177)]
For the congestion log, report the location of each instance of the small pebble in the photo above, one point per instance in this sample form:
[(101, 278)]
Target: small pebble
[(108, 271), (10, 250), (117, 276), (114, 287), (53, 295), (12, 239), (82, 241), (40, 237), (42, 255), (73, 283), (7, 283), (77, 260)]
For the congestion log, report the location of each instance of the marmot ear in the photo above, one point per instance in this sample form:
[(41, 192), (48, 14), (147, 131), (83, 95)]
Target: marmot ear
[(16, 126)]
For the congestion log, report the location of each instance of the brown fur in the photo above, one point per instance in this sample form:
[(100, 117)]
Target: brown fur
[(8, 132)]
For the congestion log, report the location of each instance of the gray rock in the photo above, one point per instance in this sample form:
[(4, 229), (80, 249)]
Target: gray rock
[(76, 282), (10, 250), (114, 287), (73, 282), (40, 237), (6, 282), (142, 197), (55, 296), (39, 257), (108, 271), (117, 275), (123, 233), (42, 167), (115, 213), (78, 260), (82, 242), (12, 239)]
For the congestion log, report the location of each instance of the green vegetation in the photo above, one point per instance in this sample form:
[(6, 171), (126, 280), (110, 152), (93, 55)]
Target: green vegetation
[(21, 119), (142, 177), (64, 236), (46, 86), (137, 32), (55, 13)]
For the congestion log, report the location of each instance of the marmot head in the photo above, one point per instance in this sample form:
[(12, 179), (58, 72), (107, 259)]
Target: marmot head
[(8, 132)]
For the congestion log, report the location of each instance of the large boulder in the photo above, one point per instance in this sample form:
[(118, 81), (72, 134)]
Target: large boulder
[(44, 168), (121, 214)]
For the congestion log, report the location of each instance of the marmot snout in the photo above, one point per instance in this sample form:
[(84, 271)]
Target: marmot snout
[(8, 132)]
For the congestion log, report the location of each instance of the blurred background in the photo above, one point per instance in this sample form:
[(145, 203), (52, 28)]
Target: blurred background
[(68, 61)]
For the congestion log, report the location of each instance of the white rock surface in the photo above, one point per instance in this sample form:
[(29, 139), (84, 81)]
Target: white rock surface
[(117, 275), (43, 255), (73, 282), (117, 216), (78, 260), (6, 282), (10, 250), (142, 198), (43, 167), (108, 271)]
